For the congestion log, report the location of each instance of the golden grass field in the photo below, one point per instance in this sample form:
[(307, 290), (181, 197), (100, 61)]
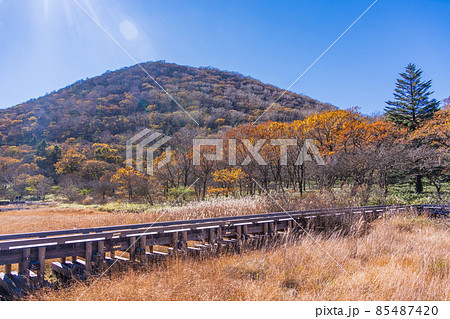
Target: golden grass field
[(43, 218), (56, 218), (405, 257)]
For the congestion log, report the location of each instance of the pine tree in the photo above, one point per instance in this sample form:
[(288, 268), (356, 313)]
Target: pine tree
[(40, 148), (412, 104)]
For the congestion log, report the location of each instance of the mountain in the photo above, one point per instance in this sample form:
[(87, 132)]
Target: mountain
[(113, 106)]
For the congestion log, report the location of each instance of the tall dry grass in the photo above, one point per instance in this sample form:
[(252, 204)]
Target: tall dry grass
[(55, 218), (81, 216), (402, 258)]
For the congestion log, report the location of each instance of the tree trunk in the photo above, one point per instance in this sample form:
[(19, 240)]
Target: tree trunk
[(419, 184), (204, 189)]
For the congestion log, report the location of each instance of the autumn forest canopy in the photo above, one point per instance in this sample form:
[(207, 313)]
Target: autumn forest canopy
[(70, 144)]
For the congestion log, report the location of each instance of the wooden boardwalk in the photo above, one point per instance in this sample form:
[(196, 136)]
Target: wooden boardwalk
[(81, 253)]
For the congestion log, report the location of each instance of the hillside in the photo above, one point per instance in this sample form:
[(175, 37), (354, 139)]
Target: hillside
[(114, 105)]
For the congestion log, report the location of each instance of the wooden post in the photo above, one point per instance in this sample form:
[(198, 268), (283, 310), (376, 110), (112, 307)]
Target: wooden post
[(112, 252), (88, 258), (100, 258), (219, 240), (41, 259), (219, 232), (287, 231), (74, 259), (101, 249), (272, 229), (266, 231), (212, 239), (142, 248), (8, 269), (175, 243), (184, 241), (143, 244), (239, 237), (132, 248), (211, 236), (244, 234), (26, 262), (62, 260)]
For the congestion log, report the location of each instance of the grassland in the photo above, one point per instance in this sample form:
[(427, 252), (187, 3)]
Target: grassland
[(67, 216), (79, 216)]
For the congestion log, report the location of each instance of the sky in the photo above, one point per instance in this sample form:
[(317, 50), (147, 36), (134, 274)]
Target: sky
[(48, 44)]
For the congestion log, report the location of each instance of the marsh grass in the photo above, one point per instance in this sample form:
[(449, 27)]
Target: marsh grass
[(79, 216)]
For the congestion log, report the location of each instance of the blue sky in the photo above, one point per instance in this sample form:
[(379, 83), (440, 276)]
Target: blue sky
[(48, 44)]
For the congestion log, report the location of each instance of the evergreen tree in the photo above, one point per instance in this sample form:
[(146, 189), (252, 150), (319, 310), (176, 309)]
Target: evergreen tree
[(33, 141), (40, 148), (411, 105)]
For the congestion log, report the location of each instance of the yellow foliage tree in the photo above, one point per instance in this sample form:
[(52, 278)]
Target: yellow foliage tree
[(436, 131), (228, 178), (70, 163), (134, 182)]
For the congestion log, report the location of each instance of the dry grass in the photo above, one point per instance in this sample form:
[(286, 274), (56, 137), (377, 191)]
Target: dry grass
[(81, 216), (55, 218), (403, 258)]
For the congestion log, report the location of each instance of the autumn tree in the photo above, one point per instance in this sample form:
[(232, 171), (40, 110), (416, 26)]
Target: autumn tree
[(69, 186), (105, 187), (227, 179), (134, 183), (71, 162), (203, 170), (436, 131), (46, 157), (8, 168), (238, 141), (104, 152), (432, 144), (39, 186), (446, 102), (126, 177), (93, 170)]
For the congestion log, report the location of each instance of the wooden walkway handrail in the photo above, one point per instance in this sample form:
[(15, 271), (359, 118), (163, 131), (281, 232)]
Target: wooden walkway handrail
[(6, 237)]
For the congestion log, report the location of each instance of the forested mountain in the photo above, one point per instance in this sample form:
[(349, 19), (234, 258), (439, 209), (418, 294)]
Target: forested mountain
[(71, 143), (113, 106)]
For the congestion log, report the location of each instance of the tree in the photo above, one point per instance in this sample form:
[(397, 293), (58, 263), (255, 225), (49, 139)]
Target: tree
[(434, 138), (46, 158), (70, 163), (133, 182), (436, 131), (104, 186), (411, 105), (103, 152), (8, 169), (39, 186), (228, 178), (93, 170), (70, 187), (446, 102)]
